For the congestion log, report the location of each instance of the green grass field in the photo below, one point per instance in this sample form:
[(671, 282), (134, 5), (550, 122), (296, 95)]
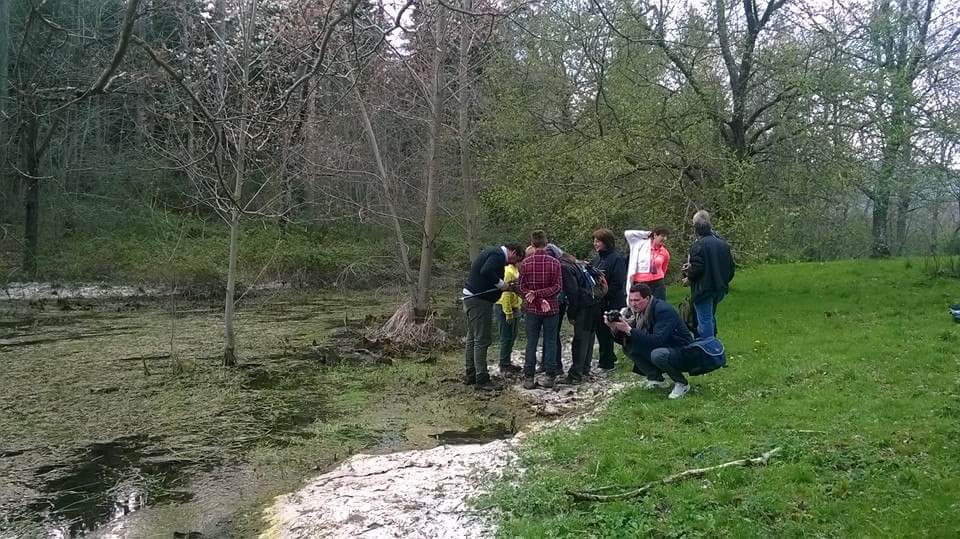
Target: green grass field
[(851, 368)]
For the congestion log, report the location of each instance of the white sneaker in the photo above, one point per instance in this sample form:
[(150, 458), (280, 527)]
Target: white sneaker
[(679, 390), (655, 384)]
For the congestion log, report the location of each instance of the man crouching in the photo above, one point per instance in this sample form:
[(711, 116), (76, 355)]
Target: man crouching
[(652, 334)]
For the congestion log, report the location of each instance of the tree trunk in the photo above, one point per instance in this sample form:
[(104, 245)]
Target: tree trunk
[(881, 246), (421, 303), (403, 251), (229, 338), (30, 161), (903, 211), (4, 106), (471, 209)]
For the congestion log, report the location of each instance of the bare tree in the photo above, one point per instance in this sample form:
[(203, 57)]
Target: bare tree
[(41, 100)]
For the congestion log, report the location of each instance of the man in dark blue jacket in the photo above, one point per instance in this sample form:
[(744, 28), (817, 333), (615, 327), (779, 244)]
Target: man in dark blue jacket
[(613, 264), (653, 334), (481, 291), (709, 270)]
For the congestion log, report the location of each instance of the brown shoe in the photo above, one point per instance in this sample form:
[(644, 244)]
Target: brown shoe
[(549, 380)]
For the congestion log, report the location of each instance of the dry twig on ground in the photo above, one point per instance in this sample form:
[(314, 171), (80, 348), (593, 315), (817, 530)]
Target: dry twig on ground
[(595, 495)]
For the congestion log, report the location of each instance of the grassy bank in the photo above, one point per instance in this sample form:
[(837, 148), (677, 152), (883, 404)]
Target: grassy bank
[(851, 368)]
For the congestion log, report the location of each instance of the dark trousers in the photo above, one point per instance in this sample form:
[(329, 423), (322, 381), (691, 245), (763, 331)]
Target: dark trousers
[(608, 358), (537, 325), (584, 330), (654, 363), (563, 312), (659, 289), (508, 333), (479, 315)]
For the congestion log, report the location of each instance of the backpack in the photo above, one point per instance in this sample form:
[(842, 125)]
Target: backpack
[(593, 284), (688, 314), (702, 356)]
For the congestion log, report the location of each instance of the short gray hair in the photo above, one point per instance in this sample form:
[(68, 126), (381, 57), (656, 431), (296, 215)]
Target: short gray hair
[(702, 217)]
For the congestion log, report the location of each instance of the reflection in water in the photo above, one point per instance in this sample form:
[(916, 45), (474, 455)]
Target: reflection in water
[(104, 482)]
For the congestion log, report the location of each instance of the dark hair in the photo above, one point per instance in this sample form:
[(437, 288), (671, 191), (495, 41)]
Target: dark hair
[(538, 239), (641, 288), (515, 247), (661, 231), (606, 236)]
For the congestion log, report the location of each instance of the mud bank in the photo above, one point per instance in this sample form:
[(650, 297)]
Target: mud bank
[(424, 493)]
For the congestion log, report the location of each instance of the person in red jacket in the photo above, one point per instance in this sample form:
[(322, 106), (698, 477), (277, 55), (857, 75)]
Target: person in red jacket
[(659, 264)]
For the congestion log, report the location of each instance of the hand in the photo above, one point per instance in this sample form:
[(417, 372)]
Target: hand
[(619, 326), (529, 297)]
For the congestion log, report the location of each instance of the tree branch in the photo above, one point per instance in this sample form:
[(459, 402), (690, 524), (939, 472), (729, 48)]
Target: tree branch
[(595, 495)]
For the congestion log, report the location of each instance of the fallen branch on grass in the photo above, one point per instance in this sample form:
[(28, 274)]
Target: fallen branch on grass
[(594, 495)]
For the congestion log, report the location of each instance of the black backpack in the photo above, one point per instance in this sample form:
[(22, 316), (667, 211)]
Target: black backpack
[(593, 284)]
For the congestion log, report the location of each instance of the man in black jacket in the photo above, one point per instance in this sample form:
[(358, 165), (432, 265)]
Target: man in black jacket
[(613, 264), (709, 270), (482, 290), (653, 334)]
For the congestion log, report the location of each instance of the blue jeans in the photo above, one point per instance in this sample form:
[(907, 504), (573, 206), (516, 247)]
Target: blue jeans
[(508, 333), (547, 326), (707, 314), (653, 363)]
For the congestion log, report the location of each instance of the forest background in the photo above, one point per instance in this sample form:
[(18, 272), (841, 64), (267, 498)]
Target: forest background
[(229, 143)]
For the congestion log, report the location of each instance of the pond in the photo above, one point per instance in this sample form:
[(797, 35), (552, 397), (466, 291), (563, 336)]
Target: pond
[(116, 416)]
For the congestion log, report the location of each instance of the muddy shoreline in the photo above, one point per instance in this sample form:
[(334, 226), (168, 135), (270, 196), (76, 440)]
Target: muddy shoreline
[(118, 411)]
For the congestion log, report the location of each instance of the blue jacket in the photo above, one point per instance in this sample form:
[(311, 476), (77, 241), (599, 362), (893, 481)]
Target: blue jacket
[(665, 329)]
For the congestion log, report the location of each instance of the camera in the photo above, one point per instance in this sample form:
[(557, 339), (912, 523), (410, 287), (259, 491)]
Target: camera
[(613, 315)]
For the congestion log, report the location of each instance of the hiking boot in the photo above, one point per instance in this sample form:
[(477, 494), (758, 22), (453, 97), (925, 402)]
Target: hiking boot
[(510, 369), (572, 380), (469, 380), (655, 384), (549, 381), (488, 385), (529, 382), (679, 390)]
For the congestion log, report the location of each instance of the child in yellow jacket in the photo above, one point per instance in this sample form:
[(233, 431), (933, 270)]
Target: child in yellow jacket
[(507, 311)]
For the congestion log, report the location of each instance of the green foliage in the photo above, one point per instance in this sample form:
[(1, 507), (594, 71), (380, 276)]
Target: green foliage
[(850, 367), (114, 240)]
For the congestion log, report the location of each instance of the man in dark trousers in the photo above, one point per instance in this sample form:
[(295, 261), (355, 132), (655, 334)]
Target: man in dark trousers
[(653, 335), (482, 290), (709, 270), (613, 264), (540, 283)]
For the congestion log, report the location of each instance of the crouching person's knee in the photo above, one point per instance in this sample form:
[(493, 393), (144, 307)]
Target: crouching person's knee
[(660, 357)]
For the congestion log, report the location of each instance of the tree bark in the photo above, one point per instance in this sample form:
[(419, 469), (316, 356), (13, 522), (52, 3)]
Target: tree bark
[(403, 251), (30, 163), (471, 208), (881, 209), (5, 39), (421, 303)]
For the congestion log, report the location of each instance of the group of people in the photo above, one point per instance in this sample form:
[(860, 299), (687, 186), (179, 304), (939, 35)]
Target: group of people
[(546, 284)]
